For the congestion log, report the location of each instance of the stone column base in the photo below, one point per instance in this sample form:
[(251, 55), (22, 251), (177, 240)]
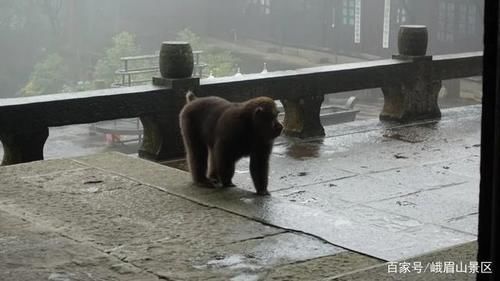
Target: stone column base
[(22, 147), (302, 117)]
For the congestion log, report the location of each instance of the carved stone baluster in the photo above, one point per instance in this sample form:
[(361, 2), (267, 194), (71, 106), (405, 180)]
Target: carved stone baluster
[(162, 137), (416, 98), (22, 147), (302, 116)]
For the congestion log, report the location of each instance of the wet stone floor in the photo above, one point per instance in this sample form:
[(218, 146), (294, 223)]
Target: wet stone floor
[(341, 207)]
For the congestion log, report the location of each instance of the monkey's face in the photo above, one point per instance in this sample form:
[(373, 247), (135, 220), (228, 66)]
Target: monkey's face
[(266, 122)]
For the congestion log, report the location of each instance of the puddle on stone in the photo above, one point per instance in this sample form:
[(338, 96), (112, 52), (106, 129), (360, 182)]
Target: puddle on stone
[(232, 262), (245, 277), (304, 150), (92, 190), (413, 134), (342, 222), (406, 203), (222, 261), (405, 138), (61, 276)]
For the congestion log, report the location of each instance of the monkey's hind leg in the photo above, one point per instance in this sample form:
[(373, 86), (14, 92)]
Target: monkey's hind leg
[(212, 171), (197, 156)]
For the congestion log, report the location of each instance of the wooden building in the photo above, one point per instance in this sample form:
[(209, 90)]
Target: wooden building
[(353, 27)]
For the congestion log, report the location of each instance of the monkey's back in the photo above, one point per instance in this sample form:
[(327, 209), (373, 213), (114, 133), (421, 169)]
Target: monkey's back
[(200, 117)]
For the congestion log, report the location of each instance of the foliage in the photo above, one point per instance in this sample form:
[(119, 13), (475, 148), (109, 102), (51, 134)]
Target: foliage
[(187, 35), (124, 44), (78, 87), (16, 15), (220, 62), (48, 77), (21, 26)]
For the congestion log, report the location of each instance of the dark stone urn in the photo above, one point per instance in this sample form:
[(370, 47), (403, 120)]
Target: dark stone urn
[(412, 40), (176, 60)]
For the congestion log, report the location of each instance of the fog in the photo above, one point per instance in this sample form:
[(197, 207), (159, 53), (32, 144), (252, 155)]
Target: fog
[(50, 46)]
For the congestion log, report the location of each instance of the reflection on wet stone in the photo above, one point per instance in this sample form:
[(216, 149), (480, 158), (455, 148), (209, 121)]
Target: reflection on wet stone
[(416, 193), (304, 150)]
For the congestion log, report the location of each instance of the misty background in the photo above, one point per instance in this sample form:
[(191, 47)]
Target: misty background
[(51, 46), (54, 46)]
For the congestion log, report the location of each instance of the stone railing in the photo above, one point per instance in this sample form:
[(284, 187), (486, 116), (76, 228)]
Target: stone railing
[(410, 82)]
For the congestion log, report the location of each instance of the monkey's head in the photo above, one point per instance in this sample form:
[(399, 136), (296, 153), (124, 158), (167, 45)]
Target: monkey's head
[(265, 118)]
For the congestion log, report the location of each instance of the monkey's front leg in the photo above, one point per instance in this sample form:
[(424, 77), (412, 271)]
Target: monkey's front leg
[(259, 169), (226, 172)]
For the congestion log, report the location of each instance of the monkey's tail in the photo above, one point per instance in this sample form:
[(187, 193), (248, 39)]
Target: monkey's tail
[(190, 97)]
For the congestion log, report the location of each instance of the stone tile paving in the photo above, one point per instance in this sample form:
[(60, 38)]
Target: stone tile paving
[(32, 251), (380, 164), (424, 175), (386, 193), (351, 228), (459, 257), (69, 220)]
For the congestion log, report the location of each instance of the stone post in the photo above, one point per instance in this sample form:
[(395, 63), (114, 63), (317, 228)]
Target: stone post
[(22, 147), (452, 88), (417, 98), (162, 137), (302, 116)]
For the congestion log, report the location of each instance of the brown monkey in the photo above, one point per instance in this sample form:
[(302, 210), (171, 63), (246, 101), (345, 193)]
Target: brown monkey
[(217, 133)]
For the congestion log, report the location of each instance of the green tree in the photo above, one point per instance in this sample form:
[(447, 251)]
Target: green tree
[(48, 77), (124, 44), (187, 35), (220, 62), (22, 35)]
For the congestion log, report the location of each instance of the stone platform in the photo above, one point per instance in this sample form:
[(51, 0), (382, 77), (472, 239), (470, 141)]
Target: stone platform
[(341, 207)]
